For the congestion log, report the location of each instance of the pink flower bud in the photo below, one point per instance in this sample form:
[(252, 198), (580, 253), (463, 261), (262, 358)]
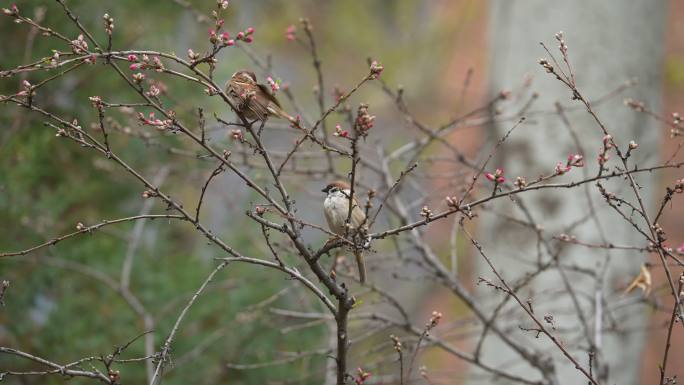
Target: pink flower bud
[(249, 31), (561, 168), (132, 58), (240, 35), (138, 77), (575, 160), (497, 176), (230, 43), (376, 69)]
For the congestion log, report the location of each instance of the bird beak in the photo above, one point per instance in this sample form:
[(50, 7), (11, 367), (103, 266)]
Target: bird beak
[(325, 190)]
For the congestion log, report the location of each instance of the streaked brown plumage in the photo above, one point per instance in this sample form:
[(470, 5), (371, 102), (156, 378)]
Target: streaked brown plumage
[(336, 210), (253, 100)]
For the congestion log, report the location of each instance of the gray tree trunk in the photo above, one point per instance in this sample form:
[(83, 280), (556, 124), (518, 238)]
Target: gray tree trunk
[(610, 42)]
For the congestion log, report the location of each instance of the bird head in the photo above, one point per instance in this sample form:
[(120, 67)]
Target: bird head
[(336, 186), (244, 76)]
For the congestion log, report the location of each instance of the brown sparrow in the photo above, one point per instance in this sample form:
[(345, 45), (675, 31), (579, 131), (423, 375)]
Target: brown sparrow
[(253, 100), (336, 210)]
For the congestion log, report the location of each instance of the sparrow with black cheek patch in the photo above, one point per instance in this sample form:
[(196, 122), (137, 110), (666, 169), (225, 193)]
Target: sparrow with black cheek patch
[(253, 100), (336, 210)]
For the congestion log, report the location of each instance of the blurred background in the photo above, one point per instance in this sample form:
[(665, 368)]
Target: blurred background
[(59, 304)]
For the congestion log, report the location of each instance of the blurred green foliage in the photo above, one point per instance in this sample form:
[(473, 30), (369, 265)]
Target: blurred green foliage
[(47, 185)]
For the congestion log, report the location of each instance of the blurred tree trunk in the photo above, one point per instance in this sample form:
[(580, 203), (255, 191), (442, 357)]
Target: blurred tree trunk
[(610, 42)]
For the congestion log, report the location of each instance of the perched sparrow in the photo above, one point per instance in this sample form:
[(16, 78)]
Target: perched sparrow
[(255, 101), (336, 209)]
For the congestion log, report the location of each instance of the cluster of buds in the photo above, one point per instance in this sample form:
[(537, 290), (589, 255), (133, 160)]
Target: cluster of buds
[(145, 63), (192, 55), (96, 102), (26, 89), (561, 168), (11, 11), (80, 226), (54, 60), (114, 376), (396, 343), (340, 132), (222, 4), (138, 77), (275, 84), (434, 320), (567, 238), (574, 160), (152, 121), (153, 92), (246, 35), (259, 211), (679, 186), (364, 120), (361, 377), (607, 145), (61, 133), (425, 212), (659, 232), (635, 105), (375, 69), (237, 135), (497, 177), (92, 59), (632, 145), (108, 23), (296, 122), (547, 66), (520, 182), (79, 46), (676, 123), (226, 40), (549, 320), (290, 32), (562, 46), (676, 119), (148, 194), (211, 91), (451, 201)]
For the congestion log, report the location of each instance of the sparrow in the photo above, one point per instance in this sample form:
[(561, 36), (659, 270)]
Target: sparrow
[(336, 210), (253, 100)]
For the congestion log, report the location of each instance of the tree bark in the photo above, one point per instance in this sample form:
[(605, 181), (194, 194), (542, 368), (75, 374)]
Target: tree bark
[(610, 42)]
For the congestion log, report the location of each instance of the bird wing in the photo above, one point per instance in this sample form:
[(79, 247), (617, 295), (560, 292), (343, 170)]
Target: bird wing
[(358, 217), (269, 96)]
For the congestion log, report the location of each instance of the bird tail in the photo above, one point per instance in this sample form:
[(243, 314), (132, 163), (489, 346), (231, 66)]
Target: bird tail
[(277, 111), (361, 265)]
